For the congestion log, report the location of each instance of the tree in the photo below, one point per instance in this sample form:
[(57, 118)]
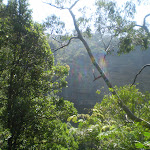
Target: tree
[(108, 127), (29, 82), (125, 41)]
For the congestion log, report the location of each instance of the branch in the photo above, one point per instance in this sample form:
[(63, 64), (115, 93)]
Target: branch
[(65, 44), (143, 26), (102, 39), (107, 47), (95, 78), (75, 25), (62, 6), (144, 22), (74, 4), (55, 6), (56, 40), (139, 73)]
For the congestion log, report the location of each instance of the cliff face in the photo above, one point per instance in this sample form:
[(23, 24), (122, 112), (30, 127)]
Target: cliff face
[(121, 70)]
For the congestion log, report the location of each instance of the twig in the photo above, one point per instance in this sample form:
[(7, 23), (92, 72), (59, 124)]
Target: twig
[(139, 73), (95, 78), (65, 44), (56, 40), (55, 6), (62, 6), (107, 47)]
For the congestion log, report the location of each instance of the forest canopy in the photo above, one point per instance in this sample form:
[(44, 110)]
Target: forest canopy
[(33, 115)]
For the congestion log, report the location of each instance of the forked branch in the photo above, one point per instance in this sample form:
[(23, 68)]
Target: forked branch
[(140, 72), (56, 40), (61, 7), (63, 46), (58, 7), (144, 22), (74, 4), (144, 25)]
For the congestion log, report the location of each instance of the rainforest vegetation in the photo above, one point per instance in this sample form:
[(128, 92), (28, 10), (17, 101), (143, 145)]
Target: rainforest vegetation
[(46, 71)]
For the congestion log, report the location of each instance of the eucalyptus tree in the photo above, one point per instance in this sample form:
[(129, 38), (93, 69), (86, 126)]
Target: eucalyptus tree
[(30, 111), (117, 21)]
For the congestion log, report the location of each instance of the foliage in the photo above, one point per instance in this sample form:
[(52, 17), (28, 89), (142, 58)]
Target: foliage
[(137, 102), (108, 128), (121, 24), (54, 24), (30, 110), (33, 116), (146, 144), (122, 132)]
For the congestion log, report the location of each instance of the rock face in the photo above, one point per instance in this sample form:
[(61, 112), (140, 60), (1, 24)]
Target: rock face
[(120, 70)]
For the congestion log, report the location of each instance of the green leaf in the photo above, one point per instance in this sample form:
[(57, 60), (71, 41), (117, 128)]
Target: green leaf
[(147, 134), (139, 145)]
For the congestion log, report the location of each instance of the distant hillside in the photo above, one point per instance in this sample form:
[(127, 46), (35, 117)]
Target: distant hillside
[(121, 70)]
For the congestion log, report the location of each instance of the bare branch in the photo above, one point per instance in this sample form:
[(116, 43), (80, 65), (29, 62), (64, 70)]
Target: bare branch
[(55, 6), (62, 6), (75, 24), (143, 26), (65, 44), (56, 40), (144, 22), (74, 4), (102, 39), (139, 73), (108, 46), (96, 78)]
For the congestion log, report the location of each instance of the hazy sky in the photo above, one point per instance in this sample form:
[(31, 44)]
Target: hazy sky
[(42, 10)]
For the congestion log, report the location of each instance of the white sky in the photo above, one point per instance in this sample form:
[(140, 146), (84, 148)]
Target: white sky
[(42, 10)]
